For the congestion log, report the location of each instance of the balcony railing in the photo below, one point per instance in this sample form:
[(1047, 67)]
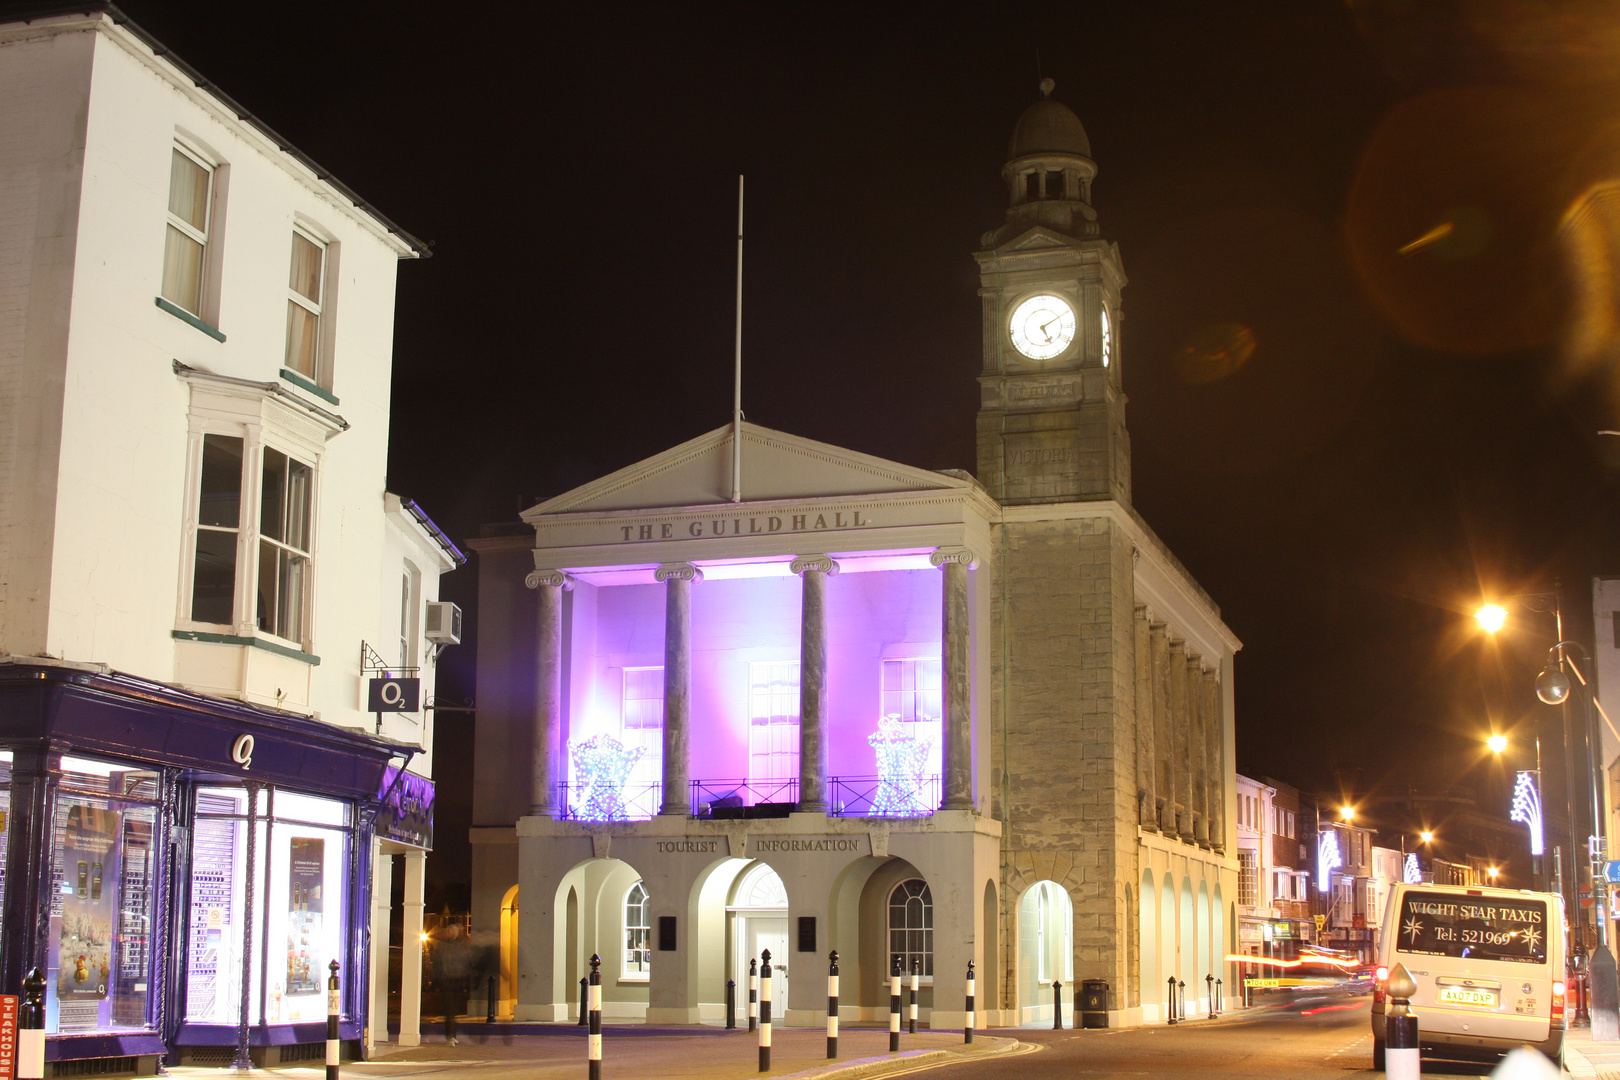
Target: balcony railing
[(744, 798), (637, 802), (871, 796)]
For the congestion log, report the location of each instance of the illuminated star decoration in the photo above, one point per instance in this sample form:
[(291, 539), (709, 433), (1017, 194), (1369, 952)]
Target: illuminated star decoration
[(1532, 938), (901, 758), (1412, 927), (1412, 873), (1527, 808), (601, 765), (1328, 858)]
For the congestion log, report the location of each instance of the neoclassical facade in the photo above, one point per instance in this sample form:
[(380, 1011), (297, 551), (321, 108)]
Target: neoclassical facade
[(930, 718)]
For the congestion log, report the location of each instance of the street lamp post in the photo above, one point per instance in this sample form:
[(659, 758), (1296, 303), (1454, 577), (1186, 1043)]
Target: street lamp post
[(1553, 686), (1498, 744)]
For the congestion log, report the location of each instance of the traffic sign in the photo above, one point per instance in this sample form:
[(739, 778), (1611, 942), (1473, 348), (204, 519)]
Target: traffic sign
[(1611, 871)]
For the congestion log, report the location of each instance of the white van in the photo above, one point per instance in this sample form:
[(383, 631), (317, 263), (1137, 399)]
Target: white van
[(1489, 968)]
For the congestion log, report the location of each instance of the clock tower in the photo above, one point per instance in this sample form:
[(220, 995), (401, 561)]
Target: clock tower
[(1051, 414)]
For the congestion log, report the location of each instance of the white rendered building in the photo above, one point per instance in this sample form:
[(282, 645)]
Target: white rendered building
[(200, 569)]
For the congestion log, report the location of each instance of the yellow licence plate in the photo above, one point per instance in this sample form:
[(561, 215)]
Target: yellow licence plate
[(1459, 995)]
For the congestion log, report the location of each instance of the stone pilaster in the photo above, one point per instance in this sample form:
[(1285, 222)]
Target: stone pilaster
[(1163, 740), (1180, 759), (549, 585), (813, 570), (956, 678), (677, 579), (1215, 732), (1198, 747), (1147, 809)]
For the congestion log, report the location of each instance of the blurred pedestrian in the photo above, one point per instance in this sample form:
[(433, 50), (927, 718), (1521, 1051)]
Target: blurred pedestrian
[(452, 968)]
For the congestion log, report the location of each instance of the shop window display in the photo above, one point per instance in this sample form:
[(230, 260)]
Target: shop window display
[(299, 893), (102, 874)]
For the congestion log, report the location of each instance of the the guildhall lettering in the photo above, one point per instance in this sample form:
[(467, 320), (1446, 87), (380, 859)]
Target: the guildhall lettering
[(841, 519)]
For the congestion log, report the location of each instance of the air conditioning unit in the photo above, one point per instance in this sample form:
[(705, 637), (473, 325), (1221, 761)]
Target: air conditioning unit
[(443, 623)]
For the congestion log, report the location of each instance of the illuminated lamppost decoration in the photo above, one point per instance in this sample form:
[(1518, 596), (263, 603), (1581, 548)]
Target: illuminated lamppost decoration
[(602, 764), (1412, 873), (901, 759), (1328, 858), (1527, 808)]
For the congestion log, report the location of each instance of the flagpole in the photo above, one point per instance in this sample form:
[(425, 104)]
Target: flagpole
[(736, 391)]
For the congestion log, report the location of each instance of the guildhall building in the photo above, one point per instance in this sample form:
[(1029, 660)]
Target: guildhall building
[(899, 713)]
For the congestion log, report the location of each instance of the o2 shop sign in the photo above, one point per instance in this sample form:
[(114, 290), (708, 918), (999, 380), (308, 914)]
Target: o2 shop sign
[(394, 695)]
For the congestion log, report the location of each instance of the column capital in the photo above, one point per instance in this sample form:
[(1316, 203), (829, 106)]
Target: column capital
[(824, 563), (554, 578), (961, 555), (680, 571)]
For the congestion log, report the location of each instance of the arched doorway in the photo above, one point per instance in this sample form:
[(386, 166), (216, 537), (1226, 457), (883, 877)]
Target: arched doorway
[(1148, 948), (509, 952), (1045, 947), (759, 916)]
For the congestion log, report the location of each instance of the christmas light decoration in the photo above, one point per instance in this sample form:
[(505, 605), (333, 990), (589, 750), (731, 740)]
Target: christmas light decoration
[(1328, 858), (601, 766), (1527, 808), (901, 759), (1412, 873)]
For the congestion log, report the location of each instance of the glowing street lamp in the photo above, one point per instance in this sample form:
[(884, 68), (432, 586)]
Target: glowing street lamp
[(1491, 617), (1426, 836), (1497, 743), (1348, 813), (1493, 871)]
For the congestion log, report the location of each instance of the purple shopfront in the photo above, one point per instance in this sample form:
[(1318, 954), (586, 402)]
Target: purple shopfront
[(183, 869)]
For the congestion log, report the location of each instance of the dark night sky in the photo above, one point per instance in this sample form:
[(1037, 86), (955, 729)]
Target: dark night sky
[(1405, 434)]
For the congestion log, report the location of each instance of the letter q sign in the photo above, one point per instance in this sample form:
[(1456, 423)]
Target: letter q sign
[(242, 751)]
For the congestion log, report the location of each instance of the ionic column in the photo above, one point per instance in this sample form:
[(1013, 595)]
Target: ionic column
[(1146, 813), (549, 585), (956, 678), (677, 579), (814, 570), (1215, 730), (1180, 767), (1198, 748), (1163, 741)]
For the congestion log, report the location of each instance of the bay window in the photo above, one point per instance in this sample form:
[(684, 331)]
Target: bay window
[(285, 492)]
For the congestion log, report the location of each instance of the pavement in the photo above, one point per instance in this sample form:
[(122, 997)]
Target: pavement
[(640, 1052), (1585, 1058)]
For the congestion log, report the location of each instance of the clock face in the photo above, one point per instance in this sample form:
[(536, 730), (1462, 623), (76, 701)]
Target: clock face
[(1107, 339), (1042, 326)]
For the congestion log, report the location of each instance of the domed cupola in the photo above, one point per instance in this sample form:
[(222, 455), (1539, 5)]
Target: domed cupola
[(1048, 172)]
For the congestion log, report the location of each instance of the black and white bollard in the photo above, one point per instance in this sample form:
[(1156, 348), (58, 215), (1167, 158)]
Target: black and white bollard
[(731, 1003), (334, 1008), (489, 1000), (894, 1004), (1220, 1002), (916, 984), (594, 1031), (764, 1012), (1170, 1000), (1209, 994), (1181, 1000), (967, 1020), (1402, 1056), (1057, 1005), (753, 993), (584, 997), (31, 1028), (832, 1004)]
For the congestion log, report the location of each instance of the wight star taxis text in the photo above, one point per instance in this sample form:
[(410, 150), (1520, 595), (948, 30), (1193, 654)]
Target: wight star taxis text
[(745, 526)]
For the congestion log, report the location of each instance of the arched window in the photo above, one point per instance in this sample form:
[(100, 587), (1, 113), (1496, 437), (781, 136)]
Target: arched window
[(637, 931), (911, 925)]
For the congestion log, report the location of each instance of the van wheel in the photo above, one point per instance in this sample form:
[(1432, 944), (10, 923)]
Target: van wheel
[(1378, 1055)]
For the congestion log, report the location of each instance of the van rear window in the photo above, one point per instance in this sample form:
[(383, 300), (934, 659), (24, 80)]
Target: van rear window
[(1473, 927)]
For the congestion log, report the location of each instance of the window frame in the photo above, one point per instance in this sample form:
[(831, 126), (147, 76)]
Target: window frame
[(791, 753), (628, 973), (185, 228), (315, 307), (934, 727), (249, 533), (926, 954), (213, 240)]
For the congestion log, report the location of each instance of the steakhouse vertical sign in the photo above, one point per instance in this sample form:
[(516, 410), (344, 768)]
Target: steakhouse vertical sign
[(8, 1036)]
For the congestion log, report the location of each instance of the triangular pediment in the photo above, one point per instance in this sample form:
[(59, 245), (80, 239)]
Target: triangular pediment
[(775, 465), (1039, 238)]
